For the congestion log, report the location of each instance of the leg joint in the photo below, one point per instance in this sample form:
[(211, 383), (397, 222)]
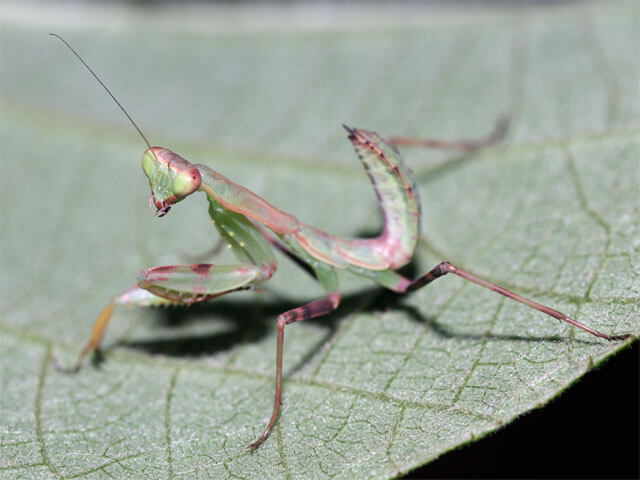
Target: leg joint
[(442, 269)]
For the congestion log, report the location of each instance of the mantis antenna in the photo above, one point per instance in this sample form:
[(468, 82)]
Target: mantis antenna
[(105, 87)]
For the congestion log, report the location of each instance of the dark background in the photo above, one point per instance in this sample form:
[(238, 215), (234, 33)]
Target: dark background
[(589, 431)]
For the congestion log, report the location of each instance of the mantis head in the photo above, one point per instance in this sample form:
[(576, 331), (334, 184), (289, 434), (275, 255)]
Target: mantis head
[(171, 178)]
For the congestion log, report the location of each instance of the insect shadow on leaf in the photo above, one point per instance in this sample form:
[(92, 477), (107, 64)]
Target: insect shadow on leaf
[(253, 228)]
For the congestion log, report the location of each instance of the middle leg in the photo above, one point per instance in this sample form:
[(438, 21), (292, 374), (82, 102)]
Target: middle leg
[(317, 308)]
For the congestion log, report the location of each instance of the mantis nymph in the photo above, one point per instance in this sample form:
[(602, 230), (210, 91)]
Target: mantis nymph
[(252, 228)]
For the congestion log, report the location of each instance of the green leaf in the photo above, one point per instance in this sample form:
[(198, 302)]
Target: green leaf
[(386, 384)]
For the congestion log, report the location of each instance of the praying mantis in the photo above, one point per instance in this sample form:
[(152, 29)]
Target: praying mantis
[(253, 228)]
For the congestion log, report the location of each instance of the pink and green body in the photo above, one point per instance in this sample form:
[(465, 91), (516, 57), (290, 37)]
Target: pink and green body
[(241, 218), (234, 210), (252, 227)]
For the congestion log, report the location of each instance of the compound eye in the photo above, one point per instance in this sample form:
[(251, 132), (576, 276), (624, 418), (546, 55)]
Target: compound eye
[(186, 182), (148, 163)]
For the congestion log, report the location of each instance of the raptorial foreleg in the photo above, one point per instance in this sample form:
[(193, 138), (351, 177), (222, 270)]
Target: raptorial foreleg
[(172, 285)]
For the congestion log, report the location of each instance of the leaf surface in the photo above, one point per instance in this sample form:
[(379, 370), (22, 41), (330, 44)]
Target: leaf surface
[(385, 384)]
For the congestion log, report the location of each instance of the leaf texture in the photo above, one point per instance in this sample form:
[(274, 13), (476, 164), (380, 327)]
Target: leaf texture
[(386, 384)]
